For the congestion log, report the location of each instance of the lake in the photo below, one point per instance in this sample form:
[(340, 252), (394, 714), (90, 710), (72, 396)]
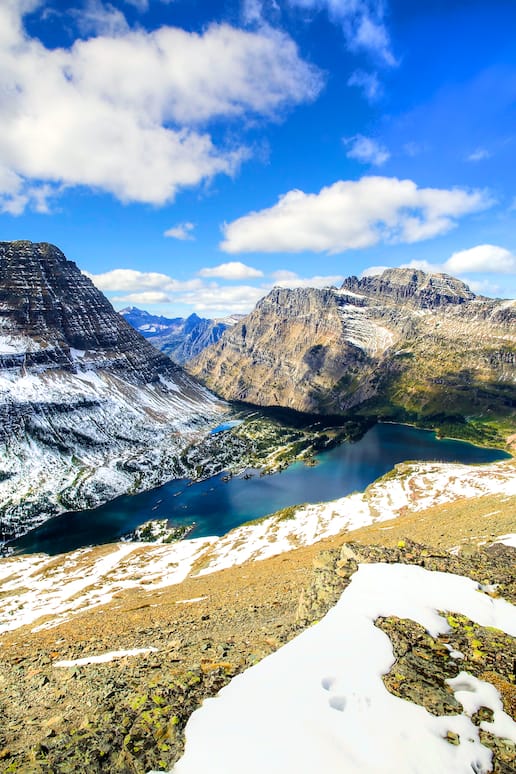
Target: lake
[(216, 506)]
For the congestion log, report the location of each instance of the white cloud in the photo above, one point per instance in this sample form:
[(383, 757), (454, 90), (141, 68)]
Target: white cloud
[(284, 274), (488, 259), (423, 265), (182, 231), (373, 271), (146, 297), (138, 281), (205, 296), (485, 287), (15, 196), (234, 270), (368, 82), (480, 154), (289, 279), (100, 18), (362, 22), (352, 215), (140, 287), (140, 5), (218, 300), (121, 112), (366, 150)]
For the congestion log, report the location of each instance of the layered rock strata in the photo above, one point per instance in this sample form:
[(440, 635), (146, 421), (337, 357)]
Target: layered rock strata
[(402, 342), (88, 408)]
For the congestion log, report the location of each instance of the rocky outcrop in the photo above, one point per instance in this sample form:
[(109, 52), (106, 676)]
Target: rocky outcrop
[(129, 714), (51, 315), (412, 287), (399, 344), (89, 408), (294, 350), (180, 338)]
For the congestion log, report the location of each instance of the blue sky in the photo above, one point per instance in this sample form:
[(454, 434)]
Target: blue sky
[(190, 154)]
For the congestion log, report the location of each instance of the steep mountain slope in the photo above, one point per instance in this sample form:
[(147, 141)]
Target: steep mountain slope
[(88, 408), (404, 343), (180, 338)]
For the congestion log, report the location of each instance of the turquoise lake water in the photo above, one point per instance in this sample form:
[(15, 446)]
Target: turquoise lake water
[(216, 506)]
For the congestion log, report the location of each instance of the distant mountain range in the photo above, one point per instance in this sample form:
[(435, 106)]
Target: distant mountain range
[(404, 345), (180, 338), (88, 408)]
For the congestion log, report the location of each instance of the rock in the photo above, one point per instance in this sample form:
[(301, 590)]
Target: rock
[(397, 344), (88, 408), (179, 338)]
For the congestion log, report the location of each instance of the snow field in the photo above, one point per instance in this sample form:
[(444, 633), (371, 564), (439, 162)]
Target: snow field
[(319, 704)]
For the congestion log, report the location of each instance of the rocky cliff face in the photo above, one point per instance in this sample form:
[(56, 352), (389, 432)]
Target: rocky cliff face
[(412, 288), (88, 408), (180, 338), (403, 342)]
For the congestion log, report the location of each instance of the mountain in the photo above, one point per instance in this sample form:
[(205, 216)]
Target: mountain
[(149, 324), (180, 338), (88, 408), (404, 344)]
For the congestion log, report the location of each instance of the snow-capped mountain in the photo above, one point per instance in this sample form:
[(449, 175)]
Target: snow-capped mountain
[(88, 408), (180, 338)]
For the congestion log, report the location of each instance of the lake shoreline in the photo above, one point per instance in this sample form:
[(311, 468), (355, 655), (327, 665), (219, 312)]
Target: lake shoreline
[(217, 506)]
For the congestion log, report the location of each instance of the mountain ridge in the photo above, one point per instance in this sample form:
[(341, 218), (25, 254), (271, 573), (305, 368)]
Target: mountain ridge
[(181, 338), (404, 345), (89, 408)]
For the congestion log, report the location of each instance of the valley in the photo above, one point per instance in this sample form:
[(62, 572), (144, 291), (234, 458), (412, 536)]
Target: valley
[(161, 539)]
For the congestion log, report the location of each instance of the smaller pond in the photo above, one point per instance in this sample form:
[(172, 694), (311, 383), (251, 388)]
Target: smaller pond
[(216, 505)]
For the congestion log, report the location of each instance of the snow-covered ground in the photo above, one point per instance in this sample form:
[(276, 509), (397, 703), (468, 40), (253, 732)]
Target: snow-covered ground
[(57, 588), (93, 436), (54, 589), (416, 486), (319, 704), (104, 658)]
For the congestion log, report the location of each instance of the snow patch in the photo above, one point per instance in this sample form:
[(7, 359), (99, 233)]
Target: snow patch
[(319, 703), (104, 658), (508, 540)]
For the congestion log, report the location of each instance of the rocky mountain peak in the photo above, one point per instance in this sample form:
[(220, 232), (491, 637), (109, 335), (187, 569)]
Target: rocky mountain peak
[(52, 315), (400, 339), (413, 287)]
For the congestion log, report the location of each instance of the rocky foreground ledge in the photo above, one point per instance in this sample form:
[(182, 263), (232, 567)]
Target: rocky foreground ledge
[(113, 690)]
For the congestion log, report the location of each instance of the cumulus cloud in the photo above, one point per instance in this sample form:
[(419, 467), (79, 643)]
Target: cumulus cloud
[(488, 259), (352, 215), (140, 5), (147, 297), (182, 231), (217, 300), (289, 279), (234, 270), (136, 287), (480, 154), (423, 265), (362, 22), (205, 296), (99, 18), (366, 150), (123, 112), (373, 271), (481, 259), (368, 82), (138, 281)]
